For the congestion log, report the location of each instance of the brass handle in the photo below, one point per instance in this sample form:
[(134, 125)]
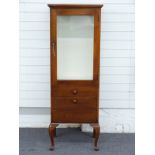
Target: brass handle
[(53, 48), (75, 100), (75, 92)]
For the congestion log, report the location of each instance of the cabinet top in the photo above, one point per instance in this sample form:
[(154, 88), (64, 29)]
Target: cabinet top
[(75, 5)]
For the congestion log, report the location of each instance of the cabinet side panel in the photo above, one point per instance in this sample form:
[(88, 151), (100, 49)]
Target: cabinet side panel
[(97, 23), (52, 56)]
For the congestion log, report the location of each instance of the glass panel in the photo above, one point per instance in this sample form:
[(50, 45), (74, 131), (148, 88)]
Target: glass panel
[(75, 42)]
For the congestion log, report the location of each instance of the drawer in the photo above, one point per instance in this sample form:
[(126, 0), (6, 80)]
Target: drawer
[(74, 103), (76, 91), (66, 116)]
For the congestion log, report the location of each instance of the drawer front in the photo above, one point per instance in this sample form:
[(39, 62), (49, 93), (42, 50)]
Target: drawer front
[(76, 91), (59, 116), (74, 103)]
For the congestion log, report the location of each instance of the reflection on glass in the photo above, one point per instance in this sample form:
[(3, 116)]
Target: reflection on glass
[(75, 37)]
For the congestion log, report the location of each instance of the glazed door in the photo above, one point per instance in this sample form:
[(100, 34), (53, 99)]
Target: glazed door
[(75, 55), (75, 42)]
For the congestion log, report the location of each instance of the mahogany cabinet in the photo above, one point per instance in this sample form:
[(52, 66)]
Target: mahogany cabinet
[(75, 62)]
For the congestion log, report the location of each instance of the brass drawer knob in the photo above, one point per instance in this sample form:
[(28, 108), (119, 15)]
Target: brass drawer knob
[(75, 100), (75, 92)]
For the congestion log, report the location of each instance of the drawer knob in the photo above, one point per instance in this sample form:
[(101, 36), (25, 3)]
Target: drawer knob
[(75, 92), (75, 100)]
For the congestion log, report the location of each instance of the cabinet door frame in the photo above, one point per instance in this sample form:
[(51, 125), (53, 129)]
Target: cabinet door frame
[(54, 12)]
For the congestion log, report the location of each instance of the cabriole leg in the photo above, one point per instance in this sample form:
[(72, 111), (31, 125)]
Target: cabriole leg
[(52, 133), (96, 133)]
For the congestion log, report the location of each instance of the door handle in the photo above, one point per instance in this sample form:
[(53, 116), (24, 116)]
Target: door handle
[(53, 49)]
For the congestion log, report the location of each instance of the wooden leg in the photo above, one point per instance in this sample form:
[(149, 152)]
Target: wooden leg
[(93, 133), (52, 133), (55, 132), (96, 133)]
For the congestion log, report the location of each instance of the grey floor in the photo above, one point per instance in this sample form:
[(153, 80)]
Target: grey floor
[(73, 142)]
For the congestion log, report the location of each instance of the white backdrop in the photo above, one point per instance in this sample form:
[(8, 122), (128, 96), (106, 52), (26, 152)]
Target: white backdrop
[(117, 65)]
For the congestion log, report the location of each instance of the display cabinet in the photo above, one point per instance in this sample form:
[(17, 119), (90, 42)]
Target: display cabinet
[(75, 65)]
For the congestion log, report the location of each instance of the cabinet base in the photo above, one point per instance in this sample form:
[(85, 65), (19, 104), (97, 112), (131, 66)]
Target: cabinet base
[(96, 133)]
